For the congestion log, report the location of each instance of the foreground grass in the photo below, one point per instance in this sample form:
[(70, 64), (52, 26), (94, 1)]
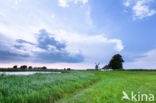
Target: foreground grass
[(42, 88), (109, 88)]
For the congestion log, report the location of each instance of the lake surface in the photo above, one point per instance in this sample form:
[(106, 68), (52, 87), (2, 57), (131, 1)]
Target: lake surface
[(27, 73)]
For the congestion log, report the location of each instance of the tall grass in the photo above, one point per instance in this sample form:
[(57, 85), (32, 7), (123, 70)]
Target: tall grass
[(41, 88)]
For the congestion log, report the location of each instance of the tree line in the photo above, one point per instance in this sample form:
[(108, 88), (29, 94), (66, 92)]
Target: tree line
[(116, 62), (28, 67)]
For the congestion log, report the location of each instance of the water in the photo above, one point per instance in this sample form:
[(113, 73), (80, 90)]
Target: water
[(26, 73)]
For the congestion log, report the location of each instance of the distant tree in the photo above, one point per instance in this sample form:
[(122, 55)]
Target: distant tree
[(23, 67), (15, 66), (44, 67), (97, 66), (68, 68), (30, 67), (116, 62)]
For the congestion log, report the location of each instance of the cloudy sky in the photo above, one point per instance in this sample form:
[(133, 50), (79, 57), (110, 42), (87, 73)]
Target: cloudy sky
[(77, 33)]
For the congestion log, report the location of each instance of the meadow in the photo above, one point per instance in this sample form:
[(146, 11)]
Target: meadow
[(112, 83), (76, 87)]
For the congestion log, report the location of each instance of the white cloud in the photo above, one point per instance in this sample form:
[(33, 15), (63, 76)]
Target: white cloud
[(18, 32), (145, 61), (17, 1), (66, 3), (127, 3), (93, 47), (119, 46), (88, 17), (63, 3), (140, 8)]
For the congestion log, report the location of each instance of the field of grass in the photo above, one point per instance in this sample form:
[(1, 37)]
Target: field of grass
[(76, 87), (109, 88), (42, 88)]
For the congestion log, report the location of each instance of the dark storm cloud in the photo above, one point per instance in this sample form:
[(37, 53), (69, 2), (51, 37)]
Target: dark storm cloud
[(48, 50), (56, 54), (20, 43), (44, 41), (58, 57), (23, 41), (7, 54)]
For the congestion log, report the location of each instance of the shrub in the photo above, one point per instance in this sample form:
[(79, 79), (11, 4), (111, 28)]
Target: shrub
[(23, 67), (15, 66)]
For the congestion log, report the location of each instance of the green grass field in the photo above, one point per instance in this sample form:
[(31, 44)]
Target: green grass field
[(109, 88), (42, 88), (76, 87)]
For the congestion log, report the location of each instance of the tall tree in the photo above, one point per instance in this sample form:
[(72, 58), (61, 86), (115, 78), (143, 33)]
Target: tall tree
[(116, 62)]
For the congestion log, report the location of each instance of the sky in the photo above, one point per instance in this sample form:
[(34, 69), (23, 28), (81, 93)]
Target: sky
[(77, 33)]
